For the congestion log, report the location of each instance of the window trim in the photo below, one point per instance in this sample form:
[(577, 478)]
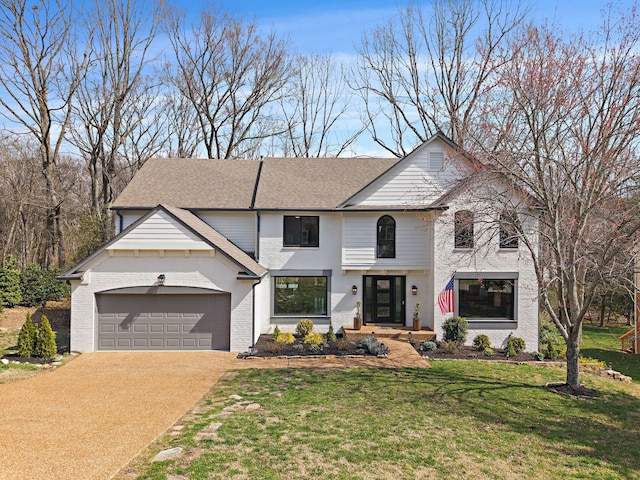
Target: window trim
[(489, 322), (283, 317), (464, 235), (508, 233), (384, 241), (300, 244)]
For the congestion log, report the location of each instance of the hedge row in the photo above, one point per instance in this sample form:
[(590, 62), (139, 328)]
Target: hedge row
[(31, 286)]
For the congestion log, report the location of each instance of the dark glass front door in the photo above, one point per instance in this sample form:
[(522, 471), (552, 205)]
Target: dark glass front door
[(384, 299)]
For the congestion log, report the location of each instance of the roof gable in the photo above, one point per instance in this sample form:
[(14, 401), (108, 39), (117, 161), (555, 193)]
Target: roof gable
[(418, 179), (188, 231)]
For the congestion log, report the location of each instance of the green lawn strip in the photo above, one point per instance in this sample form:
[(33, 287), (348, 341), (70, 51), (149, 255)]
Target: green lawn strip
[(603, 343), (459, 419)]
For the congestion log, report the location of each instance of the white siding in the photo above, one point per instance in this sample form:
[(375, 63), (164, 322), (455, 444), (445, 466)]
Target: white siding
[(160, 231), (413, 242), (128, 217), (487, 257), (239, 227), (418, 179)]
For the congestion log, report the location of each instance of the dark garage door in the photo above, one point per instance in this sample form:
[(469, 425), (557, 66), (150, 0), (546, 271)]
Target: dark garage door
[(163, 322)]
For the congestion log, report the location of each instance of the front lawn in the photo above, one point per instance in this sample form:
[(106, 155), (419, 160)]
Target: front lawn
[(459, 419)]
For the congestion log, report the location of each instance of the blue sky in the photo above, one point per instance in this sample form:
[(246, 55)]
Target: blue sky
[(332, 26)]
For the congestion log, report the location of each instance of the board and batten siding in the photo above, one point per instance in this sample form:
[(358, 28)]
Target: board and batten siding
[(160, 231), (239, 227), (419, 179), (413, 243)]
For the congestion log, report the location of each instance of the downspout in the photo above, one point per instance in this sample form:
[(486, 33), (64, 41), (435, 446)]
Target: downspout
[(253, 315), (256, 255)]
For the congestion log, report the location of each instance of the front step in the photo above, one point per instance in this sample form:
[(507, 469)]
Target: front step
[(395, 333)]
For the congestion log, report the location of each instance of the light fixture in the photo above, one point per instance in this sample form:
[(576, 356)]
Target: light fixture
[(161, 279), (414, 290), (354, 289)]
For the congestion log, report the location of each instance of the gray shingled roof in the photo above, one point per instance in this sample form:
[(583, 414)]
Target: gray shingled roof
[(191, 183), (315, 183), (285, 183)]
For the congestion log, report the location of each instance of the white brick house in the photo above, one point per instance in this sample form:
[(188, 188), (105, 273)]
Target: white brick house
[(211, 253)]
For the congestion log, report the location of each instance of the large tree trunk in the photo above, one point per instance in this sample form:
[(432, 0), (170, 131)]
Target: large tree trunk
[(573, 354)]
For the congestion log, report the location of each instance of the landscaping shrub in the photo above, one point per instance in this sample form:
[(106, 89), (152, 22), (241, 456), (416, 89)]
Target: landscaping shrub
[(27, 338), (488, 351), (481, 342), (428, 346), (45, 344), (286, 338), (331, 335), (342, 344), (549, 333), (313, 339), (551, 351), (10, 293), (276, 333), (539, 356), (304, 327), (274, 347), (448, 346), (455, 330), (515, 345), (373, 346)]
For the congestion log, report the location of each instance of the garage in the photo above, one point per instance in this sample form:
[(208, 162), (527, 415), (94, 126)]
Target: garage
[(163, 318)]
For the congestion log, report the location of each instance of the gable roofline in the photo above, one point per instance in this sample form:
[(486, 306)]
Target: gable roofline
[(198, 227), (436, 136)]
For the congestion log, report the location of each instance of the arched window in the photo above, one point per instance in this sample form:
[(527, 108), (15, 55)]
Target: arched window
[(509, 227), (386, 237), (463, 229)]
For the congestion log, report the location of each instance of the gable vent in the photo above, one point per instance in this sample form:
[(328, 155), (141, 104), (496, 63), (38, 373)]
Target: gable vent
[(436, 161)]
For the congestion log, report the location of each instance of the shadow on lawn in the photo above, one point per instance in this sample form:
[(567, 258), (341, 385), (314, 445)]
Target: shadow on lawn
[(603, 428)]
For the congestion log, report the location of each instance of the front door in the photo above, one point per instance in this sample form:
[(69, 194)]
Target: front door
[(384, 299)]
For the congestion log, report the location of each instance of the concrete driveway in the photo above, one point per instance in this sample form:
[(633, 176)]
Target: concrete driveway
[(91, 417)]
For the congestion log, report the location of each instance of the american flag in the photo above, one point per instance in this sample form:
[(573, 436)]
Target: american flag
[(445, 299)]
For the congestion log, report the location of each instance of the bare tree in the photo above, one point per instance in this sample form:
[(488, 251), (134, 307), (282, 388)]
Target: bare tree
[(428, 73), (232, 75), (113, 98), (564, 127), (315, 110), (39, 75), (183, 132)]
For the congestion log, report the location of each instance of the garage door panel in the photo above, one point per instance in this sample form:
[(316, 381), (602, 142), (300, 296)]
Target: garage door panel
[(156, 322)]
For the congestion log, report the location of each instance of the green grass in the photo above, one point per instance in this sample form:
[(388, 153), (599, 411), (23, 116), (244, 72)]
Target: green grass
[(603, 343), (459, 419)]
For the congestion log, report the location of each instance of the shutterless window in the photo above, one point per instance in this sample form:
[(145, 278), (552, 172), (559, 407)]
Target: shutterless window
[(300, 296), (386, 237), (463, 229), (301, 231), (487, 299), (509, 230)]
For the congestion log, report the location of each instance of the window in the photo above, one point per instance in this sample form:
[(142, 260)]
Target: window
[(301, 231), (463, 229), (386, 237), (300, 296), (487, 299), (508, 230)]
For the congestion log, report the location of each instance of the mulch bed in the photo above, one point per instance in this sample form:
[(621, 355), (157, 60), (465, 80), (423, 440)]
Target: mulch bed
[(468, 353), (268, 348), (14, 357), (569, 391)]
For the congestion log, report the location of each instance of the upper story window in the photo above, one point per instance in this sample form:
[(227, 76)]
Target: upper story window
[(386, 237), (508, 230), (463, 229), (301, 231)]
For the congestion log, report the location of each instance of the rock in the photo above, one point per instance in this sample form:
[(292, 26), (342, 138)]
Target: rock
[(277, 394), (252, 407), (212, 427), (226, 414), (233, 408), (4, 361), (235, 397), (169, 454), (178, 427)]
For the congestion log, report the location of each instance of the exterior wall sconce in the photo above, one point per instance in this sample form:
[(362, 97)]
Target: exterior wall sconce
[(354, 289), (414, 290), (161, 279)]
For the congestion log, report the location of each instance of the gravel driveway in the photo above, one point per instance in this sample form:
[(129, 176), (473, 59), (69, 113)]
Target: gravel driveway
[(91, 417)]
